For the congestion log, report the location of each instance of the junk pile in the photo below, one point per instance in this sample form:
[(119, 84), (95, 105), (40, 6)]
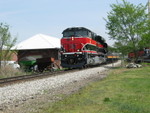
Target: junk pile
[(133, 65)]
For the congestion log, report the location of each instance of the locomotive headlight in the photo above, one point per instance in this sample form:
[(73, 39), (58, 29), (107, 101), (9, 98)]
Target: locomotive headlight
[(78, 50)]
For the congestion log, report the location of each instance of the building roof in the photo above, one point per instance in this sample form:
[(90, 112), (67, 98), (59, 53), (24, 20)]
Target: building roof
[(4, 47), (38, 41)]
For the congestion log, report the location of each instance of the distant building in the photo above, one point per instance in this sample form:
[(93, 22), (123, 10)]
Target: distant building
[(38, 46)]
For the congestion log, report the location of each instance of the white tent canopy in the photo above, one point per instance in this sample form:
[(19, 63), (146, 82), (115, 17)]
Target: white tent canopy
[(38, 41)]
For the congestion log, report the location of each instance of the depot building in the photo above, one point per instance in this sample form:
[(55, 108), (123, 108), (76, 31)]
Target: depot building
[(38, 46)]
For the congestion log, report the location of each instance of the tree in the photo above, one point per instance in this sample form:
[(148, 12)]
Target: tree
[(121, 47), (126, 24), (6, 43), (145, 42)]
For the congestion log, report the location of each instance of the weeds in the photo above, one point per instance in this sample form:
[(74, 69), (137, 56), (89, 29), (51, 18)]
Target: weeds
[(8, 71)]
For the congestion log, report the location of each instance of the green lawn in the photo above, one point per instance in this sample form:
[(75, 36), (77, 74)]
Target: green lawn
[(123, 91)]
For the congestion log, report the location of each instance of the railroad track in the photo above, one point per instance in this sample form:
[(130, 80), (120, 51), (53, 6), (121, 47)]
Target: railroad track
[(17, 79), (12, 80)]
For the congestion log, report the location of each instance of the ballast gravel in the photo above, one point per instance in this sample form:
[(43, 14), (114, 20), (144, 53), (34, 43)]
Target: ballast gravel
[(25, 90)]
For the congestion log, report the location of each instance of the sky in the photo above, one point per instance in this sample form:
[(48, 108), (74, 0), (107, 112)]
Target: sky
[(27, 18)]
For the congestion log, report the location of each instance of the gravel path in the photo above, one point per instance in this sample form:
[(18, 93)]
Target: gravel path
[(23, 91)]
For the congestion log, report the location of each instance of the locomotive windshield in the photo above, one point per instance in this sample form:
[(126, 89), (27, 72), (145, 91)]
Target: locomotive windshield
[(77, 32)]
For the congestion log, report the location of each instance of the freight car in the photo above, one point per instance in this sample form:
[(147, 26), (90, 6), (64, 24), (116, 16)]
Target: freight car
[(142, 55), (112, 57), (80, 47)]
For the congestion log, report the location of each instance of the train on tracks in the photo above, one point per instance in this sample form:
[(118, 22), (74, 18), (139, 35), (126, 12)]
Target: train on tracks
[(80, 47)]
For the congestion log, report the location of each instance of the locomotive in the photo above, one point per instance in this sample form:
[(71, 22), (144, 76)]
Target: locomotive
[(80, 47)]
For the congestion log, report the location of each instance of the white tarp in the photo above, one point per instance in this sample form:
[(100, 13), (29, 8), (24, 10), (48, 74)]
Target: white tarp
[(38, 41)]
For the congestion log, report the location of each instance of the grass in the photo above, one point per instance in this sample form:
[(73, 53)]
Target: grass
[(123, 91), (146, 64)]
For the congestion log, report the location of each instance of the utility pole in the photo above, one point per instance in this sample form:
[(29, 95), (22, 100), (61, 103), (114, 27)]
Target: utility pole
[(149, 7)]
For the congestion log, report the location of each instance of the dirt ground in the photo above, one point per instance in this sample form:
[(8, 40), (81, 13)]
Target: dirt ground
[(37, 102)]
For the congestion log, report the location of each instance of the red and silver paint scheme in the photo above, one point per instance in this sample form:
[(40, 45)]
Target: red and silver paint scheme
[(81, 47)]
